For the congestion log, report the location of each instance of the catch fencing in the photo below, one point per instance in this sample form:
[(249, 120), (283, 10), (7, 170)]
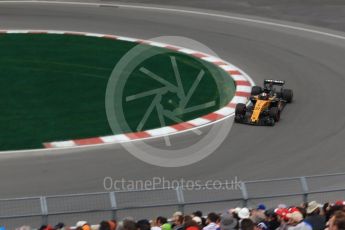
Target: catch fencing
[(95, 207)]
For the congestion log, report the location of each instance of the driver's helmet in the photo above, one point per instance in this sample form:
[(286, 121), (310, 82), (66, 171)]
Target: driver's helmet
[(263, 96)]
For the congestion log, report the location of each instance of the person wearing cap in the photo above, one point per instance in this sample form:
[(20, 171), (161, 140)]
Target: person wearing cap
[(244, 213), (296, 221), (282, 214), (199, 214), (282, 217), (198, 220), (83, 225), (339, 203), (314, 218), (261, 207), (211, 221), (258, 214), (177, 219), (234, 213), (234, 210)]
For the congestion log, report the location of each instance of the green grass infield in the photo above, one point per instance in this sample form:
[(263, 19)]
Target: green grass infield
[(52, 88)]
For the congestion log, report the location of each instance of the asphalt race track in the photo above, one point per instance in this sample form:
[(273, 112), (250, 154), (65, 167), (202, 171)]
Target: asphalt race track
[(308, 140)]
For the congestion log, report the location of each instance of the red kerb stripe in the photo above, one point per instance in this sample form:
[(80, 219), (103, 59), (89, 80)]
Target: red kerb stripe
[(182, 126), (199, 55), (137, 135), (110, 37), (88, 141), (246, 83), (242, 94), (212, 116), (234, 72)]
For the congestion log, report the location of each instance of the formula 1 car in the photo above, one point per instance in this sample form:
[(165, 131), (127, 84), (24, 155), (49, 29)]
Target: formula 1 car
[(266, 104)]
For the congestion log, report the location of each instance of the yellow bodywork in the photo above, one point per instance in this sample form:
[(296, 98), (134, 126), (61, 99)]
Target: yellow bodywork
[(260, 106)]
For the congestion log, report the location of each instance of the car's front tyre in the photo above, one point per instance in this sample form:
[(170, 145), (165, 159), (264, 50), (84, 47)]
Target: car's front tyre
[(275, 114), (241, 109)]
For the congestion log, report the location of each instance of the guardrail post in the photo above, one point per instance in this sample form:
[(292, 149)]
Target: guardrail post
[(180, 199), (113, 204), (44, 210), (244, 193), (305, 188)]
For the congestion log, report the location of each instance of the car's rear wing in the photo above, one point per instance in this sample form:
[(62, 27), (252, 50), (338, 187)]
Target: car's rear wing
[(274, 82)]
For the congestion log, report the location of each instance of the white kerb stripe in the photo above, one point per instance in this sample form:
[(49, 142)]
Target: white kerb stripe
[(161, 131), (127, 39), (226, 111), (212, 59), (61, 144), (239, 77), (186, 51), (55, 32), (157, 44), (17, 31), (238, 99), (243, 88), (94, 35), (198, 121), (115, 138), (228, 67)]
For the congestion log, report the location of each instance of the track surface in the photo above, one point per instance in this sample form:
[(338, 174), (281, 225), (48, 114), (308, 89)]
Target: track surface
[(328, 14), (308, 140)]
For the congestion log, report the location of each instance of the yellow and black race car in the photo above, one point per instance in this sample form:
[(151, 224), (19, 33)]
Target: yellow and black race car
[(266, 104)]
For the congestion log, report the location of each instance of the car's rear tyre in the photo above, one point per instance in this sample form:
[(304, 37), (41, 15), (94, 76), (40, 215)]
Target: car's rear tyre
[(275, 114), (240, 109), (287, 95), (256, 90)]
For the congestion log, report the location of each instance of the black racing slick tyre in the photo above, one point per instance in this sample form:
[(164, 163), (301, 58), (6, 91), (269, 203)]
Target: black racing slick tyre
[(270, 122), (275, 114), (256, 90), (240, 109), (287, 95)]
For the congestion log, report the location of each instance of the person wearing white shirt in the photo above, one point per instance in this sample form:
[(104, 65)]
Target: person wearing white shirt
[(211, 221)]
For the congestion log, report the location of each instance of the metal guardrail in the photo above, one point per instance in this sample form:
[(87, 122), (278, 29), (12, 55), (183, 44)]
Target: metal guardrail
[(95, 207)]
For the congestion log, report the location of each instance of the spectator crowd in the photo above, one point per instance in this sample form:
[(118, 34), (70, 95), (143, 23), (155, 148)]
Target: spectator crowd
[(308, 216)]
